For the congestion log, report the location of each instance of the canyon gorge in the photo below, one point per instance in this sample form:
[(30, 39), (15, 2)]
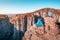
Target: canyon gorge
[(23, 26)]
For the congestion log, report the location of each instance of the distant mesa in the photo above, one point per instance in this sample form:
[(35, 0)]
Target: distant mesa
[(3, 16)]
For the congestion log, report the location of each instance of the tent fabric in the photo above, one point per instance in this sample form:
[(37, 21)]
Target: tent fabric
[(39, 22)]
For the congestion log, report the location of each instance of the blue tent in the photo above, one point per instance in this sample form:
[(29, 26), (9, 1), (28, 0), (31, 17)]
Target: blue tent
[(39, 22)]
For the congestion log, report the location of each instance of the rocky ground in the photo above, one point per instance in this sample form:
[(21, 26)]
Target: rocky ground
[(38, 33)]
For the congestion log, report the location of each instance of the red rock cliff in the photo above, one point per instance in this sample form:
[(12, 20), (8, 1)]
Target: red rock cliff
[(26, 23), (21, 19)]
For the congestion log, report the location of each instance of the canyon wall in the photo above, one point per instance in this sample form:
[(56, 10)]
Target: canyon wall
[(26, 23), (22, 26), (6, 28)]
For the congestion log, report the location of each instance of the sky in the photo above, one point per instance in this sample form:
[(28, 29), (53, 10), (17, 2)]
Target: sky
[(24, 6)]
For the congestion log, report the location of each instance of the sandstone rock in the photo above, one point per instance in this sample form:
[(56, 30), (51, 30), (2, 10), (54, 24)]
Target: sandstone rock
[(48, 32), (38, 34)]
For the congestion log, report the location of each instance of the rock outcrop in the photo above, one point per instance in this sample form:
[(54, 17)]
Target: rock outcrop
[(39, 34), (26, 24), (43, 33)]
